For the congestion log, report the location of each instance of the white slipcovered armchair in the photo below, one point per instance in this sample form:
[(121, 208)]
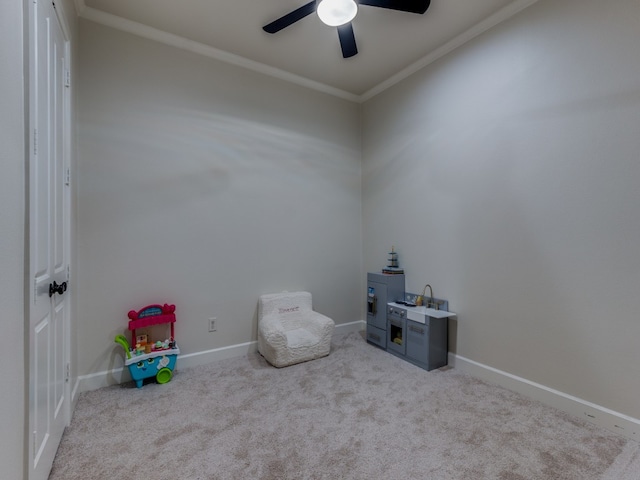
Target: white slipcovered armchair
[(289, 331)]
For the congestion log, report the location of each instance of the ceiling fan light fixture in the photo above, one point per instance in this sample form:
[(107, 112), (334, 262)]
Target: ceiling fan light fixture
[(337, 12)]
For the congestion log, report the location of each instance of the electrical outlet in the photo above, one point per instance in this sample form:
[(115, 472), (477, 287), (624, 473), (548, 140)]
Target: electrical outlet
[(212, 324)]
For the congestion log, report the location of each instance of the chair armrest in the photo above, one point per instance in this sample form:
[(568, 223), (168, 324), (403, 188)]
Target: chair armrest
[(272, 330)]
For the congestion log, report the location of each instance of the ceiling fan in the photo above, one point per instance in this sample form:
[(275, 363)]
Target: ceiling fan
[(339, 13)]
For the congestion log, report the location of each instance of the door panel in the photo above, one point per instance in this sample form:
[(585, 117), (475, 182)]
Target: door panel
[(59, 373), (40, 376), (418, 342), (57, 146), (378, 318)]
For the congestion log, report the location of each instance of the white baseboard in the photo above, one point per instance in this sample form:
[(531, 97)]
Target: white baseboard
[(619, 423), (75, 391), (115, 376), (357, 326)]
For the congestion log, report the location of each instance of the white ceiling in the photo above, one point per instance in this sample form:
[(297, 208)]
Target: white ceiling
[(391, 44)]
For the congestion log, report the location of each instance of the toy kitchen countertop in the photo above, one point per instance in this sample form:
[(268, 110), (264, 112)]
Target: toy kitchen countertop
[(418, 313)]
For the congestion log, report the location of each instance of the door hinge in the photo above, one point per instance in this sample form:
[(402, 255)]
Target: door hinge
[(68, 272), (35, 141), (67, 180), (67, 78), (67, 373)]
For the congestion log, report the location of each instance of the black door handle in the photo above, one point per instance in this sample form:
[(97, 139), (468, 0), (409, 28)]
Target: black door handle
[(55, 288)]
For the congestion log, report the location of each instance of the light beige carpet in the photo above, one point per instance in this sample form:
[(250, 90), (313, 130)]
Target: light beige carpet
[(359, 413)]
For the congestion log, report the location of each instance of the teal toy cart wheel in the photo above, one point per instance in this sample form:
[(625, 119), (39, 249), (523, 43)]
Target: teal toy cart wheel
[(164, 375)]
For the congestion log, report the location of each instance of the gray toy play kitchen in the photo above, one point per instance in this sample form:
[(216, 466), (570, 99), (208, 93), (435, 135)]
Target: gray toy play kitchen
[(415, 333)]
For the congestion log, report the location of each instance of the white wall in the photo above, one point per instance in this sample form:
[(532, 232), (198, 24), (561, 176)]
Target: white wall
[(12, 192), (506, 175), (205, 185)]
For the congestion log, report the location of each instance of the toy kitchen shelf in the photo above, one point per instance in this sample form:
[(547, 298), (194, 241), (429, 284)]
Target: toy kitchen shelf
[(153, 359)]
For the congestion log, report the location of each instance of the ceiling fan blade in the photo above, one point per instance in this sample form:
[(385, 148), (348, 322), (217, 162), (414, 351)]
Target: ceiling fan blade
[(290, 18), (411, 6), (347, 40)]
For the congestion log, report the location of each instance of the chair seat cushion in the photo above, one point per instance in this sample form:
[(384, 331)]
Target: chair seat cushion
[(299, 338)]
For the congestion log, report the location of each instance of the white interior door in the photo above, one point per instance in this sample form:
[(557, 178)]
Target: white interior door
[(49, 238)]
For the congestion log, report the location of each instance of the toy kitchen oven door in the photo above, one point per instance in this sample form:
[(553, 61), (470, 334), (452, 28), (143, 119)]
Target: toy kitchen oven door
[(381, 288)]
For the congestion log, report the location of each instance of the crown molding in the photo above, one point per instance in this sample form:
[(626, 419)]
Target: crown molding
[(500, 16), (177, 41)]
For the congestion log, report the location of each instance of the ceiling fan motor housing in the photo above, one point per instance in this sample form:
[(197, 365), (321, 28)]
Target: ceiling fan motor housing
[(339, 13)]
